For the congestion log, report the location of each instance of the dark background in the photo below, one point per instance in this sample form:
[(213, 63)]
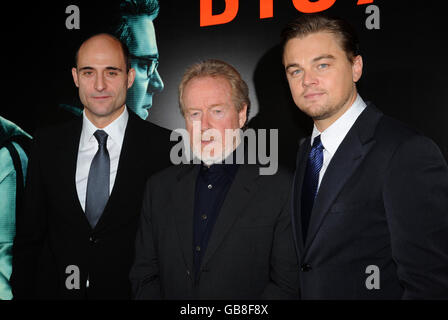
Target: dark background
[(405, 64)]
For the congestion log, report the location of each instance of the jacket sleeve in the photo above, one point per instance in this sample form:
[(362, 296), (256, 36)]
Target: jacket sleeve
[(284, 270), (31, 230), (144, 273), (416, 203), (7, 220)]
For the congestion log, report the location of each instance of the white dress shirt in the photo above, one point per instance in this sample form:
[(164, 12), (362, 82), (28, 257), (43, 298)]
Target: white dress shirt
[(88, 146), (332, 136)]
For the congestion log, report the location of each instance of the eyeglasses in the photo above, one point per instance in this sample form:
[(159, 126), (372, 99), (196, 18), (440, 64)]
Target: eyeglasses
[(150, 64)]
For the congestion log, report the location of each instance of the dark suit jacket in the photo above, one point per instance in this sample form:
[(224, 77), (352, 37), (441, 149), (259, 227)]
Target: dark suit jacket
[(53, 231), (250, 254), (383, 201)]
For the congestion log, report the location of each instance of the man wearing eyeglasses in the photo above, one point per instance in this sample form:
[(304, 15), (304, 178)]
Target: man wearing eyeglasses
[(84, 187), (137, 31)]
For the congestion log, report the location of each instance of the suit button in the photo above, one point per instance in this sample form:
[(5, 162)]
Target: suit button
[(93, 240), (305, 267)]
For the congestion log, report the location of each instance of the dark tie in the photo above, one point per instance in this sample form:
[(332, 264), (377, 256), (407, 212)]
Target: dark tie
[(310, 183), (98, 181)]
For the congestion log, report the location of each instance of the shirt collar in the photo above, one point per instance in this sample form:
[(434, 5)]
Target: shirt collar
[(225, 167), (332, 137), (218, 170), (115, 130)]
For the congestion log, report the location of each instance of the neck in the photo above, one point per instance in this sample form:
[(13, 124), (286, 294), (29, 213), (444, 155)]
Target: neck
[(324, 124), (103, 121)]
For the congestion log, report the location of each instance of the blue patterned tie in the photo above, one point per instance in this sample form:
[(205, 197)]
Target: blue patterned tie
[(98, 181), (310, 182)]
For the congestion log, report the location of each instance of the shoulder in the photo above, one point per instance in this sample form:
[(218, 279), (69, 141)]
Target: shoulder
[(152, 128), (165, 178), (147, 127), (173, 171), (281, 175), (161, 185), (398, 135), (150, 134), (58, 131), (395, 130), (276, 183), (397, 140), (388, 133)]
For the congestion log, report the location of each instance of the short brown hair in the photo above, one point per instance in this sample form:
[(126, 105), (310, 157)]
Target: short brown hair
[(217, 68), (308, 24)]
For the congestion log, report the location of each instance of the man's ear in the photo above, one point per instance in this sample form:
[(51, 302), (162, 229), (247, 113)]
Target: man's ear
[(75, 76), (131, 77), (357, 68), (242, 116)]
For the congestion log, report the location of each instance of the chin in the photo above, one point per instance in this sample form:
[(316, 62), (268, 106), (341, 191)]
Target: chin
[(209, 160), (140, 108), (316, 112), (101, 111), (205, 153), (142, 113)]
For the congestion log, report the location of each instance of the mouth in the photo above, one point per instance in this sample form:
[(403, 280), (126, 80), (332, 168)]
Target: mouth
[(99, 98), (208, 140), (313, 95)]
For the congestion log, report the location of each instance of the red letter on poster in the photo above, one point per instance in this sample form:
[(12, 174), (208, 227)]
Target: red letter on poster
[(306, 6), (360, 2), (266, 9), (208, 19)]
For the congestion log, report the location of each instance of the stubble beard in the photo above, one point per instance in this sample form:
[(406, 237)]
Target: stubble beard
[(327, 110)]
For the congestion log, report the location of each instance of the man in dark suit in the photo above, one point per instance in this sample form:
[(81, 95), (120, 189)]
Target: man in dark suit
[(370, 196), (76, 232), (217, 229)]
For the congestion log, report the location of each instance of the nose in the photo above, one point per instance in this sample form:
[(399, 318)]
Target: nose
[(205, 125), (100, 84), (309, 79), (155, 82)]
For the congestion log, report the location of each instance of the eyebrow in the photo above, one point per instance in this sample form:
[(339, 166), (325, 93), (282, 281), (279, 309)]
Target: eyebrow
[(107, 68), (325, 56), (114, 68), (147, 57), (85, 68), (209, 107)]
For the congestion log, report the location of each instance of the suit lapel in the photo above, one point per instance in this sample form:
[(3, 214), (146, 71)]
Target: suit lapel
[(129, 151), (66, 159), (304, 150), (348, 157), (238, 197), (183, 210)]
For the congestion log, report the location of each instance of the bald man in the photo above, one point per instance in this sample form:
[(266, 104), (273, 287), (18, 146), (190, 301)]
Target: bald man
[(75, 236)]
